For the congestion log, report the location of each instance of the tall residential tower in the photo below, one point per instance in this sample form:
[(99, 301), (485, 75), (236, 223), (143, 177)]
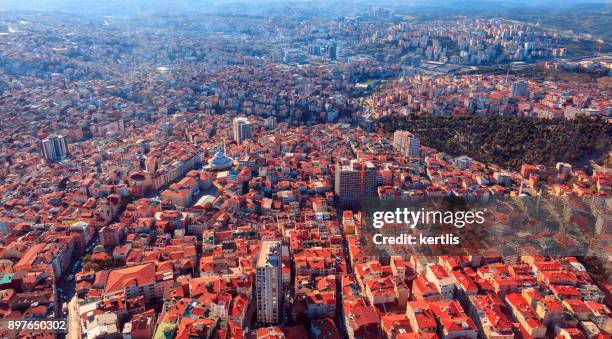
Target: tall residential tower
[(54, 148), (242, 130), (354, 180), (269, 283), (406, 143)]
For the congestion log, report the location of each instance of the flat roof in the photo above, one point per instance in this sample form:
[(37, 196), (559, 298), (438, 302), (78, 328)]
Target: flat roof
[(269, 255)]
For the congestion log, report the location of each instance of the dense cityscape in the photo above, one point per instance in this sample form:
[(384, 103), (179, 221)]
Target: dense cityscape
[(200, 176)]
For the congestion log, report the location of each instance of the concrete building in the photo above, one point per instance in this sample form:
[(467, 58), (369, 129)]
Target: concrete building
[(333, 52), (519, 89), (271, 122), (54, 148), (349, 185), (269, 286), (406, 143), (101, 326), (242, 130), (463, 162), (133, 281), (445, 283)]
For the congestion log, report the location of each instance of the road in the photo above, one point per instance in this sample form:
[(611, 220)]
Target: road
[(66, 293), (74, 326)]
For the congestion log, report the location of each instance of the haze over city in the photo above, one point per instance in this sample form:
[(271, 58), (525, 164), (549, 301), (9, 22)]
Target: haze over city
[(240, 169)]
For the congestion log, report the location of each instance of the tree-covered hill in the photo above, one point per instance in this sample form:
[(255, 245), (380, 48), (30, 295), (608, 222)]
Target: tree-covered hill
[(509, 141)]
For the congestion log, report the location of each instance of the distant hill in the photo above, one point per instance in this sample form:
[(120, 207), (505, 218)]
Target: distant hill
[(588, 16), (182, 7)]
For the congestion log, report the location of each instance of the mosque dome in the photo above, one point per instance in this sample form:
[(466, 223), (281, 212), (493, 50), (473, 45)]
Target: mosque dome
[(220, 161)]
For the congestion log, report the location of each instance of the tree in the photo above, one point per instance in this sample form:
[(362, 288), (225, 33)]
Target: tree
[(91, 266), (508, 141)]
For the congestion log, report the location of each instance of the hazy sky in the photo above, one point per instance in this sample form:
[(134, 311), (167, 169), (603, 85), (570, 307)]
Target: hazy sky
[(136, 7)]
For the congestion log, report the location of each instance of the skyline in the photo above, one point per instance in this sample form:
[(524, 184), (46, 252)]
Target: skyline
[(189, 6)]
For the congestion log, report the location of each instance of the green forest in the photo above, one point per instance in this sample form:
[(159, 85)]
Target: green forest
[(509, 141)]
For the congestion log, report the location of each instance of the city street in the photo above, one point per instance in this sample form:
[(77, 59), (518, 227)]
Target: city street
[(74, 328)]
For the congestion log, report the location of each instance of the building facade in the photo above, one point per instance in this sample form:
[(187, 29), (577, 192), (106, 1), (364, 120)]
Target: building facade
[(519, 89), (352, 182), (269, 286), (54, 148), (242, 130), (406, 143)]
